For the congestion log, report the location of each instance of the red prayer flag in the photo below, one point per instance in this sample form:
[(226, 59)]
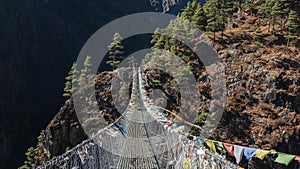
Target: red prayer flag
[(229, 148), (297, 158)]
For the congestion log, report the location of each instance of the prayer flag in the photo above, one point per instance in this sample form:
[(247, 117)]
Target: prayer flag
[(229, 148), (249, 153), (261, 154), (284, 158), (211, 145), (238, 153)]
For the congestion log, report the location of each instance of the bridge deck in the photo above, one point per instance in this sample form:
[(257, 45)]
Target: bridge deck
[(137, 151)]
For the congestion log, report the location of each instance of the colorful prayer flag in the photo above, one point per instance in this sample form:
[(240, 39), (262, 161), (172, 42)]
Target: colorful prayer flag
[(249, 153), (211, 145), (261, 154), (284, 158), (238, 153), (229, 148), (220, 147)]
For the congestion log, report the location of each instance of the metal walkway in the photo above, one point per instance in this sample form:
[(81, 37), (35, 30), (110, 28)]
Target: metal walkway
[(135, 128)]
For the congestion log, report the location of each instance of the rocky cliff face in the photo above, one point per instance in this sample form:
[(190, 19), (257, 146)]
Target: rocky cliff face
[(262, 107), (39, 41), (263, 91)]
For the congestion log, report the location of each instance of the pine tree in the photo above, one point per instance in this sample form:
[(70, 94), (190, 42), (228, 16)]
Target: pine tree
[(32, 154), (277, 11), (215, 17), (249, 6), (158, 41), (189, 10), (116, 51), (257, 35), (199, 19), (292, 22), (264, 11), (68, 89), (271, 10), (81, 79), (230, 7), (131, 61), (31, 158), (70, 79), (239, 6), (87, 64), (285, 13), (85, 72), (292, 25)]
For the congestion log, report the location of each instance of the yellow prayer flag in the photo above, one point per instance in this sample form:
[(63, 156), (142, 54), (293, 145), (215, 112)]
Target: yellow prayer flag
[(211, 145), (261, 154)]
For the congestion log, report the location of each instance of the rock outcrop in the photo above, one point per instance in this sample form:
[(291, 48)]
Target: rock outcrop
[(39, 41)]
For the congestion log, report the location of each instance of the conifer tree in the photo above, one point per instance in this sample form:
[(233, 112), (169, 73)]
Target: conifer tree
[(199, 19), (32, 154), (276, 12), (230, 7), (70, 79), (116, 51), (87, 64), (158, 41), (131, 61), (292, 25), (68, 89), (257, 35), (249, 6), (286, 7), (81, 79), (239, 6), (85, 72), (189, 10), (264, 10), (30, 158), (272, 10), (215, 16)]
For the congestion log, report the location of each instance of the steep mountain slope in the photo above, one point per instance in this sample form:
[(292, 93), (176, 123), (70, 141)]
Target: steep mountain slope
[(39, 40)]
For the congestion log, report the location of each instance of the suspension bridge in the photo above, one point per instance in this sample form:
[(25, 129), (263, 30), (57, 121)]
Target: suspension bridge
[(138, 139)]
